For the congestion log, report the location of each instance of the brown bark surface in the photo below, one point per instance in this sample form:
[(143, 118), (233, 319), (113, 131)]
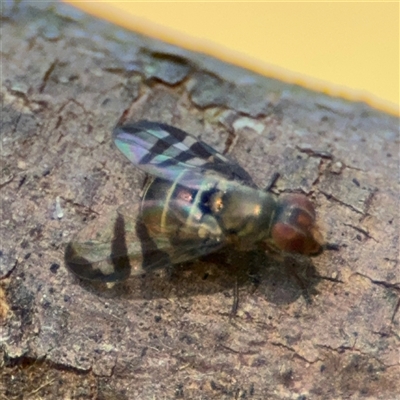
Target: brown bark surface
[(328, 331)]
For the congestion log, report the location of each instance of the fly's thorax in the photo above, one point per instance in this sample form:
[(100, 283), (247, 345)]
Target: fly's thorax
[(243, 213)]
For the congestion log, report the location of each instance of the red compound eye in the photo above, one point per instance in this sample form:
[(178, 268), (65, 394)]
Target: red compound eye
[(295, 229)]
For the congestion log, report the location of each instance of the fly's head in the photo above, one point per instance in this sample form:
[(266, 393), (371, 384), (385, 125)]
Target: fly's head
[(294, 227)]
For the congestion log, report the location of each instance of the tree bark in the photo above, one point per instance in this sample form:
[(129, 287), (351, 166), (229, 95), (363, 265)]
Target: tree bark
[(310, 329)]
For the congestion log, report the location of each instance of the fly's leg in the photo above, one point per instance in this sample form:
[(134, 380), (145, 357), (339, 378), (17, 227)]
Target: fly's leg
[(235, 266), (275, 176), (257, 262), (302, 282), (235, 305), (245, 273), (331, 246)]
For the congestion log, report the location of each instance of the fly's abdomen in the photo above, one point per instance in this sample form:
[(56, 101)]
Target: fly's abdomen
[(174, 212)]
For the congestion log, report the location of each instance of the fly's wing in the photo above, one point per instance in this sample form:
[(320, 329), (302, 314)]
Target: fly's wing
[(117, 245), (100, 250), (165, 151)]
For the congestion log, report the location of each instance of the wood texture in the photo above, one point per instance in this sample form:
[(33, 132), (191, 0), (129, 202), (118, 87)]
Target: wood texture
[(66, 81)]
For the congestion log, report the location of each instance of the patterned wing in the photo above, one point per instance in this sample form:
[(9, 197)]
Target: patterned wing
[(101, 249), (165, 151), (117, 245)]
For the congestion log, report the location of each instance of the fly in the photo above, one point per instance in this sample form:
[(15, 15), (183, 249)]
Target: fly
[(195, 202)]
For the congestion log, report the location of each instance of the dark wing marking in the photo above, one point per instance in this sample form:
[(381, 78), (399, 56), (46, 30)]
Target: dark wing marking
[(117, 245), (100, 250), (165, 151)]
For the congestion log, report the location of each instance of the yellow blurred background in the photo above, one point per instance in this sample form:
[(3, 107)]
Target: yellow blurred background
[(349, 50)]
